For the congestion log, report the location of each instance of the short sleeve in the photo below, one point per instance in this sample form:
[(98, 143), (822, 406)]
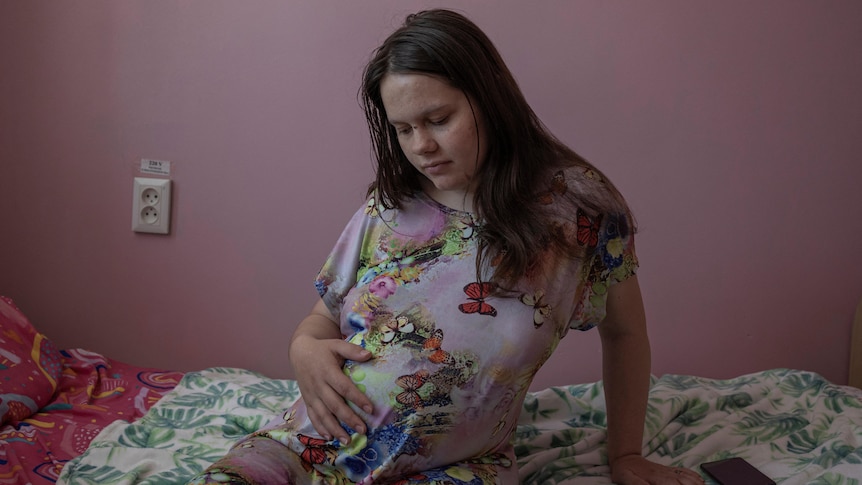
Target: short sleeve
[(613, 260), (339, 273)]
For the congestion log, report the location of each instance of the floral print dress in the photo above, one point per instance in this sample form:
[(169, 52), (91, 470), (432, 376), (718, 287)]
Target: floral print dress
[(452, 363)]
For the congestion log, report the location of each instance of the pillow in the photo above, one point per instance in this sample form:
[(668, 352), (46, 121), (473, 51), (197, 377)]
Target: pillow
[(29, 365)]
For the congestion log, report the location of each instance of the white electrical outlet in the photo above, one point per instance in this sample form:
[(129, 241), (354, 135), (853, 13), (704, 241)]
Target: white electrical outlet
[(151, 205)]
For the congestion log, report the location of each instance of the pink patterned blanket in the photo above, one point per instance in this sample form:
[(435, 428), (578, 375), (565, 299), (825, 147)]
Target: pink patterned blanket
[(93, 391)]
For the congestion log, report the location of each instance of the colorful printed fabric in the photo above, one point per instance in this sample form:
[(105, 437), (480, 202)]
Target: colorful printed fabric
[(187, 430), (795, 426), (29, 365), (452, 361), (92, 391)]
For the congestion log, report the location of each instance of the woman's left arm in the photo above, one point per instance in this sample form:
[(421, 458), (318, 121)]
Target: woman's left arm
[(626, 375)]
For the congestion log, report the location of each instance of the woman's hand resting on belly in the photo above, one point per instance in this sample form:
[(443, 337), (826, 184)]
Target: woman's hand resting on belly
[(317, 354)]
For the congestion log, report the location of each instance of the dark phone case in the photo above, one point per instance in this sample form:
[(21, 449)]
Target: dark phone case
[(736, 471)]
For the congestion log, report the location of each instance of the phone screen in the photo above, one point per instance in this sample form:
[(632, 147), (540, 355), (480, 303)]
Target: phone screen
[(736, 471)]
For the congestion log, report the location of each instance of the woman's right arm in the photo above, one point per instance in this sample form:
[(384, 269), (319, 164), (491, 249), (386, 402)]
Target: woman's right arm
[(317, 353)]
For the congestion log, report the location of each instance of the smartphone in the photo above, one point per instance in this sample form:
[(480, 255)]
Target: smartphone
[(735, 471)]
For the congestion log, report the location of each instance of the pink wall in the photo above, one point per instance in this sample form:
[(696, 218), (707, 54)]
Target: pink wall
[(733, 128)]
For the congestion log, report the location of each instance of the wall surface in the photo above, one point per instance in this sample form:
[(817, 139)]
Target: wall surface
[(732, 127)]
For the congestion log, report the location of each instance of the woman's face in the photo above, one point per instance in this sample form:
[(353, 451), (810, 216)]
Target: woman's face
[(439, 134)]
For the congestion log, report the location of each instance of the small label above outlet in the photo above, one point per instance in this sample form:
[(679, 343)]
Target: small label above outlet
[(155, 167)]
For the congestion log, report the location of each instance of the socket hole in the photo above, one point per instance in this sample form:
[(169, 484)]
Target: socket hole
[(150, 196), (149, 215)]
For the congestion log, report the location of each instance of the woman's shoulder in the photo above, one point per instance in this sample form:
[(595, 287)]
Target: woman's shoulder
[(572, 182), (582, 197)]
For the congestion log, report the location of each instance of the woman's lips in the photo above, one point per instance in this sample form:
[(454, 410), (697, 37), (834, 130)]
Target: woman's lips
[(435, 168)]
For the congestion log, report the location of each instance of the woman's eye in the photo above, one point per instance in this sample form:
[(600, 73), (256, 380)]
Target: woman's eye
[(403, 131), (439, 121)]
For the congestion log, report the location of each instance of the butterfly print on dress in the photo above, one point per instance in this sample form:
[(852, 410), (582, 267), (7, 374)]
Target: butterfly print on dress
[(400, 325), (477, 292), (432, 346), (557, 187), (588, 229), (540, 309), (316, 450), (411, 383)]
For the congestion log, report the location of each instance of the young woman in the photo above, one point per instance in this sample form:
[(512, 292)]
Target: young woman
[(483, 240)]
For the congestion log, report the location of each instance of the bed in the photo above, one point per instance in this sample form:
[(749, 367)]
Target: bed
[(54, 402), (793, 425)]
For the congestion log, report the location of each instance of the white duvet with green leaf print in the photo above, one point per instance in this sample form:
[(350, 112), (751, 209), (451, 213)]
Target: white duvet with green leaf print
[(794, 426)]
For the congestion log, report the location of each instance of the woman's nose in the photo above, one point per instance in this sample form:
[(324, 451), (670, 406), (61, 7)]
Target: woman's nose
[(423, 142)]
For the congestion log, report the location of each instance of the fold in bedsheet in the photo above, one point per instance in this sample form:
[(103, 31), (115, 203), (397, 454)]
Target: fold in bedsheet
[(795, 426), (92, 391)]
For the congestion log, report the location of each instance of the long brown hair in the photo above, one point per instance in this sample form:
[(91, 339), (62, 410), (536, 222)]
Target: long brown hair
[(521, 154)]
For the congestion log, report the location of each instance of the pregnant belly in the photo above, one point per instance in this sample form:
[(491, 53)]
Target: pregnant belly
[(440, 411)]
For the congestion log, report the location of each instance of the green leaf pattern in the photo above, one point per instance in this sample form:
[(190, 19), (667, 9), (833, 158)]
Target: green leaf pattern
[(794, 426)]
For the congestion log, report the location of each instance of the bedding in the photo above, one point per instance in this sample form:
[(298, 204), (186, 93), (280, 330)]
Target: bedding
[(54, 402), (77, 417), (30, 365), (794, 426)]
